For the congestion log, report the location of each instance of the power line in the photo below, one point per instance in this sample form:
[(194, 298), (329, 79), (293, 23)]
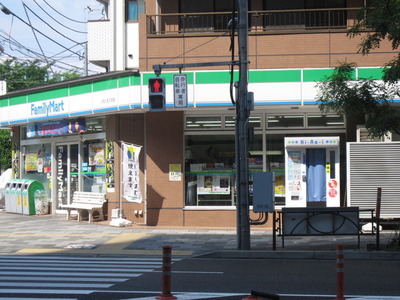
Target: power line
[(34, 34), (27, 7), (57, 20), (8, 12), (62, 14)]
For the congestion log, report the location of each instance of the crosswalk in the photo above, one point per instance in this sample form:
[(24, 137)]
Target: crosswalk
[(38, 277)]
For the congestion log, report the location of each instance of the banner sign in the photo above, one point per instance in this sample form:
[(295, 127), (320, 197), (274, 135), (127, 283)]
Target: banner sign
[(130, 172), (56, 127)]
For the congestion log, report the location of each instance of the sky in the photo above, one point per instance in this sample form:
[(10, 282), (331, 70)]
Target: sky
[(51, 30)]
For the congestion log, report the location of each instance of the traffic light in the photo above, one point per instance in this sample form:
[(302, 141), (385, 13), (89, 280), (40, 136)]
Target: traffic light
[(157, 94)]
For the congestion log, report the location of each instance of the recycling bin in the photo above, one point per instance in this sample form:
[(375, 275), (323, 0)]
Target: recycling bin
[(29, 187), (13, 201), (7, 192), (18, 196)]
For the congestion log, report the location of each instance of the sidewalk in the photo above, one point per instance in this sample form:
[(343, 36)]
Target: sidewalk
[(53, 234)]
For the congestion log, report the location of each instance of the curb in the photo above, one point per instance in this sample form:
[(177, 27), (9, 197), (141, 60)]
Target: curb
[(311, 255)]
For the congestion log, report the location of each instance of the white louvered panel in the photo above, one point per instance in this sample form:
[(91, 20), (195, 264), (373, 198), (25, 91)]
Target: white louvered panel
[(373, 165)]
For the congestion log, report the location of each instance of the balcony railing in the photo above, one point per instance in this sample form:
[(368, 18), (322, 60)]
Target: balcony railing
[(261, 22)]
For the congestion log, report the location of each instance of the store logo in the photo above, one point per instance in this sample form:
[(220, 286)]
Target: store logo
[(47, 108)]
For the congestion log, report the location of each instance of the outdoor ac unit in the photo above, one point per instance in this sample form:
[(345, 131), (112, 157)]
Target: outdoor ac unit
[(363, 136)]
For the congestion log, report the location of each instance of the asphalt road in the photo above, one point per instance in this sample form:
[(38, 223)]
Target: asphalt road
[(291, 279)]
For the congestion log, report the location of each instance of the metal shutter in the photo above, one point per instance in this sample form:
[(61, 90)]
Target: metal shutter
[(373, 165)]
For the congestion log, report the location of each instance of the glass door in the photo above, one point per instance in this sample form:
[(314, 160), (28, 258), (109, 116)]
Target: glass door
[(68, 173)]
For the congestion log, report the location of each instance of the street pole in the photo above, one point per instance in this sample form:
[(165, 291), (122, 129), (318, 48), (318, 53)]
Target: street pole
[(241, 134)]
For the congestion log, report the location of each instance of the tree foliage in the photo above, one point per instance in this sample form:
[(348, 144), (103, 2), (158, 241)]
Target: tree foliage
[(30, 73), (5, 149), (354, 97)]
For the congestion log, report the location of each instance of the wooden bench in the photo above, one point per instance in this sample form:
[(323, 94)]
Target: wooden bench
[(86, 201)]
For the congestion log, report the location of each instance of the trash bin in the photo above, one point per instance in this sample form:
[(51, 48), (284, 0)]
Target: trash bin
[(29, 187), (41, 202), (18, 196), (7, 194), (13, 192)]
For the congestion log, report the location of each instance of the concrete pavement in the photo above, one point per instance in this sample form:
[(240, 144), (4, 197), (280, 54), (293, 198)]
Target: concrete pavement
[(53, 234)]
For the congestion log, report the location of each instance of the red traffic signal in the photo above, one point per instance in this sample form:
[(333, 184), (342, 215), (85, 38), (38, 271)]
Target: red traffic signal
[(156, 85), (157, 94)]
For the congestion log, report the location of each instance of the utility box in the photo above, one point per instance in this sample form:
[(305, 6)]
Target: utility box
[(263, 192)]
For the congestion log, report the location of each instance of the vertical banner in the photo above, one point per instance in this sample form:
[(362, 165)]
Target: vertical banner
[(130, 172)]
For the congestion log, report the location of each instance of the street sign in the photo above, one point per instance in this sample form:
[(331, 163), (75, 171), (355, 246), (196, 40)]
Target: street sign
[(180, 91)]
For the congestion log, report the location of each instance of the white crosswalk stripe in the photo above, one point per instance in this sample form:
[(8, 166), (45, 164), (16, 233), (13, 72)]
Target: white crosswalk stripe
[(34, 276)]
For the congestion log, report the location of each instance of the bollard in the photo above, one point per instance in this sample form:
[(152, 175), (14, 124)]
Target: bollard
[(340, 273), (166, 274), (250, 297)]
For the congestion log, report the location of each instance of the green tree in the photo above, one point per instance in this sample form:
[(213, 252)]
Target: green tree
[(30, 73), (5, 149), (355, 97)]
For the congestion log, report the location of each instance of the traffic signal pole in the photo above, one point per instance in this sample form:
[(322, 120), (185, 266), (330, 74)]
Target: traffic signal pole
[(242, 116), (241, 128)]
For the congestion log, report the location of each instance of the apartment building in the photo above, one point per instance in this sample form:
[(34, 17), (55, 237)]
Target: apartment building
[(74, 135)]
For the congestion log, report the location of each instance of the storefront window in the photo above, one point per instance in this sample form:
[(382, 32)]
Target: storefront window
[(209, 170), (36, 164), (254, 121), (94, 167), (325, 121), (203, 122), (285, 121), (275, 159)]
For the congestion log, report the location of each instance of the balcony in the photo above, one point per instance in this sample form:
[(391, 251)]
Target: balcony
[(260, 22)]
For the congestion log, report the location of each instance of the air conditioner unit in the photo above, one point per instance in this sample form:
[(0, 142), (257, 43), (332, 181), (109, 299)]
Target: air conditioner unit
[(363, 136)]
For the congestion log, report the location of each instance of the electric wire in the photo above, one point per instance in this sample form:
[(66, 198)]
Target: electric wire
[(62, 14), (49, 38), (54, 19), (37, 41), (201, 45), (27, 7)]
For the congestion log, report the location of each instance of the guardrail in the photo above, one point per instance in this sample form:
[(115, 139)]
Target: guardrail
[(264, 22)]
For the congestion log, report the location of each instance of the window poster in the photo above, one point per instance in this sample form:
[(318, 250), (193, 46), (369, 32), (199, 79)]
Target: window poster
[(213, 184), (294, 171), (175, 172), (31, 161), (130, 172), (279, 185), (96, 154)]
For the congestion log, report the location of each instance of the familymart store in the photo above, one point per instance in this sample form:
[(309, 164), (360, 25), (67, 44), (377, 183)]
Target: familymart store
[(69, 136)]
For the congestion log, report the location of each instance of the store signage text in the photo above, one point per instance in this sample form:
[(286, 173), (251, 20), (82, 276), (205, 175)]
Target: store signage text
[(47, 108)]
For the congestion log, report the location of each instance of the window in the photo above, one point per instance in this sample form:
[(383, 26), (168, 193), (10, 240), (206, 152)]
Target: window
[(209, 170), (254, 121), (285, 121), (205, 22), (131, 10), (325, 121), (316, 17), (203, 122)]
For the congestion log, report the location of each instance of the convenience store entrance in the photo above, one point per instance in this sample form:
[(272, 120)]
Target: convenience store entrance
[(68, 173)]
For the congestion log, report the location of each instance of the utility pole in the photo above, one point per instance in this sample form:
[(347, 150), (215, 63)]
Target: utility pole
[(242, 116), (241, 128)]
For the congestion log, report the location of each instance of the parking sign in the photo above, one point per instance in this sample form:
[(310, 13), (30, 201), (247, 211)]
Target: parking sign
[(180, 91)]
